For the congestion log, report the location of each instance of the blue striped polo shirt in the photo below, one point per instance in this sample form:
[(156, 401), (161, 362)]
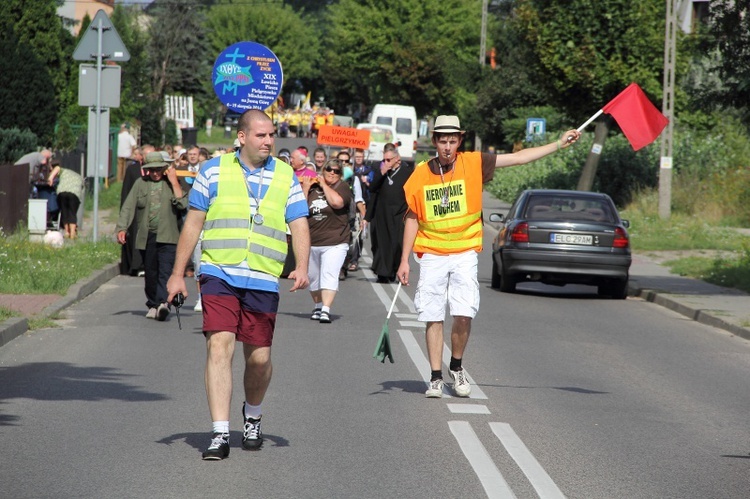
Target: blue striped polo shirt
[(202, 196)]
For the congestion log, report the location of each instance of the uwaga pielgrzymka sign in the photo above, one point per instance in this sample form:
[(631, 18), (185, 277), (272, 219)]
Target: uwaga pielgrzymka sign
[(247, 75), (342, 136)]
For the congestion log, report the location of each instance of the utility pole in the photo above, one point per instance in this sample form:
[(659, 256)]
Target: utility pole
[(482, 58), (665, 164)]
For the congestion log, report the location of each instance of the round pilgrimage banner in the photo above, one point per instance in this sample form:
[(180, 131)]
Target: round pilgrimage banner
[(247, 75)]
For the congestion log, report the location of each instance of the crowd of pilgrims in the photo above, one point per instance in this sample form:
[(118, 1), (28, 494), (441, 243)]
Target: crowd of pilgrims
[(350, 200)]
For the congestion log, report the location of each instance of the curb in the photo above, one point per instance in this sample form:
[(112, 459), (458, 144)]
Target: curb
[(16, 326), (697, 315)]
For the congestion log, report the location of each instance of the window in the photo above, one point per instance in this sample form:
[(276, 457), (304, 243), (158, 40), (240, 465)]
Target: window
[(403, 125)]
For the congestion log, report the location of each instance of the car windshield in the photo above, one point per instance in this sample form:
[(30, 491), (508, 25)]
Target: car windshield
[(568, 208)]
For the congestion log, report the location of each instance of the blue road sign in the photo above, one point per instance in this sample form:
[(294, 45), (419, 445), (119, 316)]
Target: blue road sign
[(247, 75), (535, 127)]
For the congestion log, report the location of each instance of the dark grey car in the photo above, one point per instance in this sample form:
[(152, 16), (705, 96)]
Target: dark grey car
[(562, 237)]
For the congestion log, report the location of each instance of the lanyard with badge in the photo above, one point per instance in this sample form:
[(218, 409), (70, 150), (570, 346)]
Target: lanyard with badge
[(257, 218)]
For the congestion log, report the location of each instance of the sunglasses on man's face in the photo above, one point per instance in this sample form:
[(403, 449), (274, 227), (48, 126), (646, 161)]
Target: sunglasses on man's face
[(333, 170)]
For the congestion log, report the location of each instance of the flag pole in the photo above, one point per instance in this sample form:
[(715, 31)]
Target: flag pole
[(580, 128)]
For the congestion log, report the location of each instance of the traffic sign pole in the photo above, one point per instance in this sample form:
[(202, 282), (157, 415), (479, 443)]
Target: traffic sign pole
[(116, 51), (98, 118)]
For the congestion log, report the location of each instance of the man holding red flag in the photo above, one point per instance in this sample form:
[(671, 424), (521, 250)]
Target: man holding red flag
[(443, 227)]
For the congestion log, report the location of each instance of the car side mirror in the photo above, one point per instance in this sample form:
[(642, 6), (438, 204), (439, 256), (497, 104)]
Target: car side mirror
[(497, 217), (626, 223)]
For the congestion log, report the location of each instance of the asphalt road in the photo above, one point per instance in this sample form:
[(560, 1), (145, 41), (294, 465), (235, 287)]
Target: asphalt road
[(573, 396)]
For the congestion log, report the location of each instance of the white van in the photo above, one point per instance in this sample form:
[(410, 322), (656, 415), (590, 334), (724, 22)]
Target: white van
[(404, 120), (380, 135)]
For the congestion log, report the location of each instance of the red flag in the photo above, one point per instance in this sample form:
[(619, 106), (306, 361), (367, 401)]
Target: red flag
[(639, 120)]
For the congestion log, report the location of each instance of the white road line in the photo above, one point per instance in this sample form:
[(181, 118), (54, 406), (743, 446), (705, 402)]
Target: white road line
[(492, 480), (386, 296), (416, 324), (408, 316), (407, 301), (539, 478), (418, 357), (468, 408)]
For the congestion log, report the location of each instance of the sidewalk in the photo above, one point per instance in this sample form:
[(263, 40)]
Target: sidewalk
[(727, 309)]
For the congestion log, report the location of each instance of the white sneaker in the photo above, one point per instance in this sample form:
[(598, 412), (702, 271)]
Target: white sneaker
[(461, 385), (435, 391), (151, 314), (198, 305)]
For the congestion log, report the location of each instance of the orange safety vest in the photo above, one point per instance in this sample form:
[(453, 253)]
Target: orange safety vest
[(457, 227)]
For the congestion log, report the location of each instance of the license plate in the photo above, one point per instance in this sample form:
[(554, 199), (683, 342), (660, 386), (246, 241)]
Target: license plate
[(571, 239)]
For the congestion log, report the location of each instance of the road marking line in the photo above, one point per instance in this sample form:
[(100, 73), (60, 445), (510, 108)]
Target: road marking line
[(492, 480), (539, 478), (417, 356), (468, 409), (416, 324), (408, 302), (408, 316)]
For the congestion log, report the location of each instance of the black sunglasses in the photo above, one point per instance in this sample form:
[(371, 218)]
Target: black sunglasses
[(333, 170)]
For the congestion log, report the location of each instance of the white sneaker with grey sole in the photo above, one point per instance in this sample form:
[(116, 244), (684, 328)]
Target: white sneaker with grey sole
[(461, 384), (435, 390)]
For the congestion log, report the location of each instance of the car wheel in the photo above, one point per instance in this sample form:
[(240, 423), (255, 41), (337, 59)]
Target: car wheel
[(618, 290), (495, 283), (507, 282)]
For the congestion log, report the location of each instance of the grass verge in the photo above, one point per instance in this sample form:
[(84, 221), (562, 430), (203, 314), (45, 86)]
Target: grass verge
[(649, 232), (729, 272), (35, 268), (6, 314)]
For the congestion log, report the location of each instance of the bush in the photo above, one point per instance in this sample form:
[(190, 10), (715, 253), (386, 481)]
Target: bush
[(710, 175), (14, 143), (620, 171)]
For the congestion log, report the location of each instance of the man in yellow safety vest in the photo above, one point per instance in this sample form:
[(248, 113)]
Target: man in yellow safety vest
[(242, 201)]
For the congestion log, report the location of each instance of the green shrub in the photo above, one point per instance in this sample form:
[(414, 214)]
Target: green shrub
[(620, 171), (14, 143), (710, 176)]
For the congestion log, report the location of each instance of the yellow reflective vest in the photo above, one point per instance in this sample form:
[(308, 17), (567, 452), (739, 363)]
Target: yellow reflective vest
[(229, 234)]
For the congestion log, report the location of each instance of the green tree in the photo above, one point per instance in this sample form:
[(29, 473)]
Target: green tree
[(41, 58), (135, 81), (289, 35), (587, 51), (730, 39), (27, 94), (403, 52), (511, 86), (177, 62), (36, 23)]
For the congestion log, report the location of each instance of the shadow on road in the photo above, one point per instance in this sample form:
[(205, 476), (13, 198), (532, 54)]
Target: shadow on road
[(64, 381)]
